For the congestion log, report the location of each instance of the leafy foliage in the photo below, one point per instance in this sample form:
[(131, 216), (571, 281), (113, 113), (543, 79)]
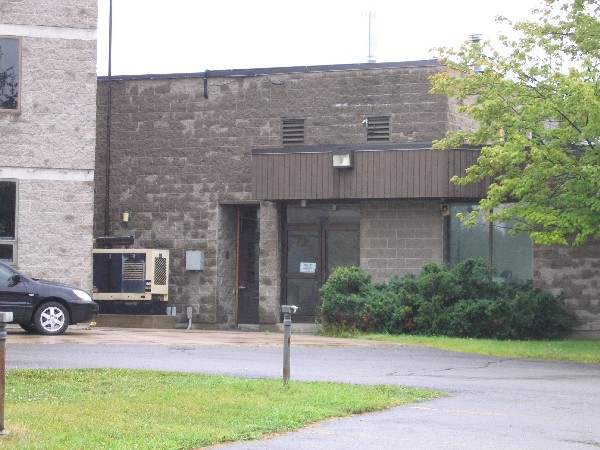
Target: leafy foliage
[(459, 301), (536, 103)]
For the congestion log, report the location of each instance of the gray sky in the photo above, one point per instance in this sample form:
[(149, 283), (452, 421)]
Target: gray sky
[(157, 36)]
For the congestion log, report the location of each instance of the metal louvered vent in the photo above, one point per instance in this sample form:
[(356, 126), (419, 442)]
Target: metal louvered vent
[(134, 270), (293, 131), (378, 128), (160, 271)]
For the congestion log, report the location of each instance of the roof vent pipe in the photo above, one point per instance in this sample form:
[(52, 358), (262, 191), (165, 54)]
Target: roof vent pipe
[(371, 57)]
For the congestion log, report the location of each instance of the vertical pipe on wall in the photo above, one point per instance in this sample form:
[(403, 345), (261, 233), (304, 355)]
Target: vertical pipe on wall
[(237, 263), (108, 124)]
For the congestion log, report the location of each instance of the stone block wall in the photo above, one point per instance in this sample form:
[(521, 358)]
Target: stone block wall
[(177, 155), (48, 146), (575, 273), (55, 230), (398, 237), (270, 263), (81, 14)]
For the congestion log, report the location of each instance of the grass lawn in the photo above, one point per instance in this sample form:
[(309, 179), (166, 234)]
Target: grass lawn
[(584, 350), (135, 409)]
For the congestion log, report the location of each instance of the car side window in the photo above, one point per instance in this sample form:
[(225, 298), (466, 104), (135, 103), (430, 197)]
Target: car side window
[(5, 274)]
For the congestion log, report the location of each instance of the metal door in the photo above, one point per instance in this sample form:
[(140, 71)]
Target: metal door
[(247, 265)]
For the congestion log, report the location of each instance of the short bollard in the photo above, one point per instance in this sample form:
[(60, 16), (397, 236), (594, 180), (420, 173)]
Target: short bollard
[(287, 311), (5, 317)]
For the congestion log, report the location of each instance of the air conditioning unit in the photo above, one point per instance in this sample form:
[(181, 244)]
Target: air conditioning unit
[(131, 274)]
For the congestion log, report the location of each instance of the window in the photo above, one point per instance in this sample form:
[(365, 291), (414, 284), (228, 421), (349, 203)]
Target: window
[(511, 256), (378, 128), (9, 72), (293, 131), (8, 220)]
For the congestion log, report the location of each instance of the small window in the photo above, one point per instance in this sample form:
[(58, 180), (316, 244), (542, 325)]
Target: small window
[(293, 131), (8, 220), (378, 128), (9, 72)]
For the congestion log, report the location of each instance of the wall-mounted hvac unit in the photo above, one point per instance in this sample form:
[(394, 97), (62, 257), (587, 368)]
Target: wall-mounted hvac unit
[(131, 274)]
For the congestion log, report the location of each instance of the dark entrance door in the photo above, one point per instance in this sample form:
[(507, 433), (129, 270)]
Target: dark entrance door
[(318, 239), (247, 265)]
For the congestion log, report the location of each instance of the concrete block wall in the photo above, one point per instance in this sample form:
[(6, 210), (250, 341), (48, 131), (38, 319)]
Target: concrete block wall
[(270, 263), (575, 273), (398, 237), (49, 145), (176, 156)]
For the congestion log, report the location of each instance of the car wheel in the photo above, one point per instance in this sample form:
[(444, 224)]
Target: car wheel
[(51, 318), (29, 327)]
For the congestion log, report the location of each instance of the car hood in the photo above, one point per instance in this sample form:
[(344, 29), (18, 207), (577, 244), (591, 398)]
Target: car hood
[(54, 283)]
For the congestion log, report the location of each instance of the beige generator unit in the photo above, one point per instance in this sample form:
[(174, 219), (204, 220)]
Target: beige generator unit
[(131, 274)]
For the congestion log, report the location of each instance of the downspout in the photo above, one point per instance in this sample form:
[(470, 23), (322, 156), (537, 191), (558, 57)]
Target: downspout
[(206, 84), (108, 124), (237, 263)]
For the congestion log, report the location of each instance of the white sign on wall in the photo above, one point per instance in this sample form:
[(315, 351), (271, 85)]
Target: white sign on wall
[(306, 267)]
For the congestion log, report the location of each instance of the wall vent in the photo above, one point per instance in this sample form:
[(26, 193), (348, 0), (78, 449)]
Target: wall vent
[(378, 128), (293, 131), (160, 270)]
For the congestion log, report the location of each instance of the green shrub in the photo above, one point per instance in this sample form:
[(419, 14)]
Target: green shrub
[(460, 300), (343, 297)]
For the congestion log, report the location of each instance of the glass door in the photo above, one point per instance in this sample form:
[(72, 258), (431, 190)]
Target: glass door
[(328, 237)]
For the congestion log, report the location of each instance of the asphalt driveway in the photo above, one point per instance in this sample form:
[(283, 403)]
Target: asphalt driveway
[(492, 403)]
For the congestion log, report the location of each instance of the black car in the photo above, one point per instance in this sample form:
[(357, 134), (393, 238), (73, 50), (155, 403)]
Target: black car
[(43, 306)]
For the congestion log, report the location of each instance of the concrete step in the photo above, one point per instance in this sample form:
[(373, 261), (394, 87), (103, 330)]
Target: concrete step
[(136, 321)]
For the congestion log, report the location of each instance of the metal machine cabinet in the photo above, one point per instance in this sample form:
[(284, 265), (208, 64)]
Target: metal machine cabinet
[(131, 274)]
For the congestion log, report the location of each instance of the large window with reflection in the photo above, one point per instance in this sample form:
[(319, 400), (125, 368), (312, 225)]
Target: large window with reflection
[(10, 64), (8, 220), (511, 256)]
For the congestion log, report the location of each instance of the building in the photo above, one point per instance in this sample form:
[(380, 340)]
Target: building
[(48, 127), (278, 175)]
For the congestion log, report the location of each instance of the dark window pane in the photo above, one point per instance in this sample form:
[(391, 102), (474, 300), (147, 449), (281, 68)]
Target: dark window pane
[(342, 249), (320, 212), (512, 256), (6, 252), (303, 294), (467, 242), (8, 204), (303, 247), (9, 73)]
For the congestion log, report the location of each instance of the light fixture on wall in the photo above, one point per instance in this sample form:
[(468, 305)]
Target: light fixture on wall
[(342, 159), (125, 216)]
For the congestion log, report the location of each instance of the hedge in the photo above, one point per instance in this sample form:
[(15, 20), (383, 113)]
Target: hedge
[(460, 300)]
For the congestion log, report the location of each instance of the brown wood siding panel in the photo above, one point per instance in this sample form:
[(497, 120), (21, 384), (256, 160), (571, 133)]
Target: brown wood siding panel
[(376, 174), (370, 175), (422, 174), (430, 173), (387, 170), (287, 173), (444, 181)]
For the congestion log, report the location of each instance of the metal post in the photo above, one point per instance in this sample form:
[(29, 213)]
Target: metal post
[(5, 317), (287, 311)]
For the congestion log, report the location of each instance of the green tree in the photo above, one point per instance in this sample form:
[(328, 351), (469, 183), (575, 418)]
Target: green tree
[(536, 101)]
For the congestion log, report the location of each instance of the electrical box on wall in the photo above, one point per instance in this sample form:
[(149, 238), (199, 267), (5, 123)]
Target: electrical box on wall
[(194, 260)]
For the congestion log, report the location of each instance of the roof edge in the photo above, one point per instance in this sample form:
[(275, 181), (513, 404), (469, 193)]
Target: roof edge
[(372, 147), (244, 73)]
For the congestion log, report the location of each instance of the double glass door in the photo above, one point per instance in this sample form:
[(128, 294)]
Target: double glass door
[(318, 239)]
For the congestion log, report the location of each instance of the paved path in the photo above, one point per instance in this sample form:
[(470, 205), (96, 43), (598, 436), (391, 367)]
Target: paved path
[(493, 403)]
